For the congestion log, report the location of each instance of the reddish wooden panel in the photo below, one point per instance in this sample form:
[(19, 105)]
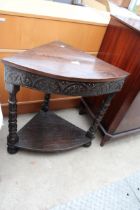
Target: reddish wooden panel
[(123, 50), (120, 47)]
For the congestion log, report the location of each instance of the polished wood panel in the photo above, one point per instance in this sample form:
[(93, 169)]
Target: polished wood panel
[(120, 47), (61, 61), (125, 55), (126, 17), (130, 22), (3, 93), (131, 120), (55, 11), (28, 32), (60, 102)]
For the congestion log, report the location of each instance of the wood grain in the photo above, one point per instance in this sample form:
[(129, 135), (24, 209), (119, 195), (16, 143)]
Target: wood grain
[(34, 106), (56, 11), (61, 61), (48, 132), (30, 100), (120, 47), (26, 33)]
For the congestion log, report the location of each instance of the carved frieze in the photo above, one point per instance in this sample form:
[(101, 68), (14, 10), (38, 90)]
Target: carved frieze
[(57, 86)]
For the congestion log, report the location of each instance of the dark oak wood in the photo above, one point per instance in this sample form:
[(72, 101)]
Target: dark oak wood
[(61, 61), (99, 116), (45, 105), (12, 138), (64, 87), (46, 131), (120, 47), (52, 133)]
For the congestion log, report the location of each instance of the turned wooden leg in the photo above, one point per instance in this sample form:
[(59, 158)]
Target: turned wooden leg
[(82, 109), (87, 144), (100, 114), (12, 138), (45, 105)]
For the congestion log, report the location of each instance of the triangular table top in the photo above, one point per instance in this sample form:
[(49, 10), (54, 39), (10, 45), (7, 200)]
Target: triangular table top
[(61, 61)]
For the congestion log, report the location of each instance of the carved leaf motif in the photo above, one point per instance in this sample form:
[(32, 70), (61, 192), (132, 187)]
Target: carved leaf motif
[(51, 85)]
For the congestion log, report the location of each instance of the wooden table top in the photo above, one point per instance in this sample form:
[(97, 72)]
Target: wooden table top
[(61, 61)]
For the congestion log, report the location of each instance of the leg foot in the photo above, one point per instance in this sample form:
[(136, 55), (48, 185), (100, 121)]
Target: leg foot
[(87, 144), (90, 134), (104, 140), (102, 143), (12, 150)]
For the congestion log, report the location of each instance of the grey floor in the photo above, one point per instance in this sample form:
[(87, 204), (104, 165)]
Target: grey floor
[(37, 181)]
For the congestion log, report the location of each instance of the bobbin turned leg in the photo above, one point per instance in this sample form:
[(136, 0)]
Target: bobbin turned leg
[(45, 105), (100, 114), (12, 138), (82, 109)]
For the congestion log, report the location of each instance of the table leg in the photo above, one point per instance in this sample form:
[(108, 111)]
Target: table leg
[(12, 138), (82, 109), (100, 114), (45, 105), (105, 138)]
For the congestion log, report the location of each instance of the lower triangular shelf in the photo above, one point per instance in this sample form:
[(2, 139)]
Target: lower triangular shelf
[(48, 132)]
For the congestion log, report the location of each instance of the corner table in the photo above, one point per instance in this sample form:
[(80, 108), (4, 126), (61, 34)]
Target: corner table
[(61, 69)]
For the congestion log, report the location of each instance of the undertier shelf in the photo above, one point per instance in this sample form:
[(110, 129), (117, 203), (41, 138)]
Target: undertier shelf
[(48, 132)]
